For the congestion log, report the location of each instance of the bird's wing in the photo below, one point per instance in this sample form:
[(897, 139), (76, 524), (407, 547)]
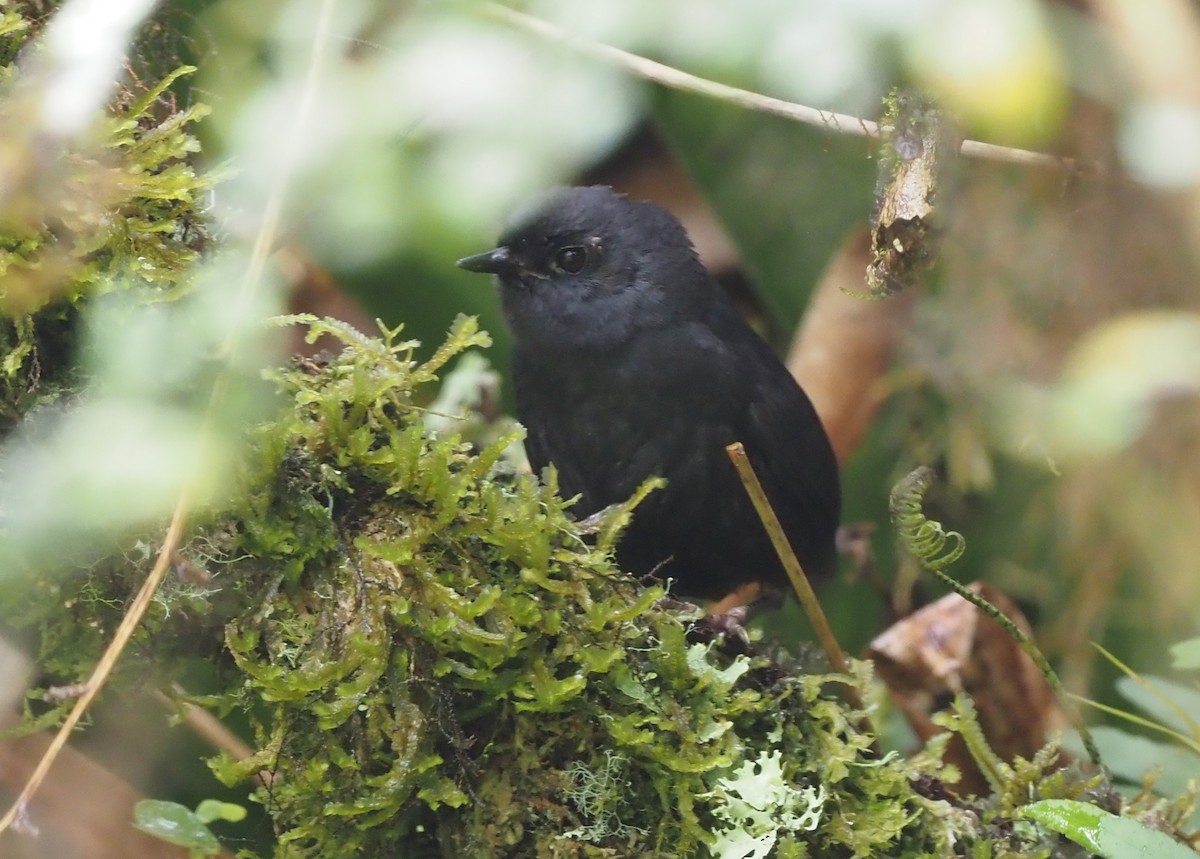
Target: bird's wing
[(791, 454)]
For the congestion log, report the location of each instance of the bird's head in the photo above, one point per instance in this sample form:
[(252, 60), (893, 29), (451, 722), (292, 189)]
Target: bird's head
[(587, 268)]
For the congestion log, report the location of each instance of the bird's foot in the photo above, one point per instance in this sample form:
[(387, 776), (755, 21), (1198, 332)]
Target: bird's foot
[(595, 523), (727, 626), (687, 610), (705, 626)]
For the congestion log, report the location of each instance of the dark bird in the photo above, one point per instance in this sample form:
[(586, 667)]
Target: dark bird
[(630, 361)]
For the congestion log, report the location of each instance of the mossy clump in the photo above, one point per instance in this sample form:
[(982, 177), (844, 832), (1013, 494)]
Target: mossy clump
[(452, 669), (120, 208)]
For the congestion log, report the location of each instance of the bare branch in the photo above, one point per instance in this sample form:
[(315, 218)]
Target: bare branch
[(841, 123), (104, 667)]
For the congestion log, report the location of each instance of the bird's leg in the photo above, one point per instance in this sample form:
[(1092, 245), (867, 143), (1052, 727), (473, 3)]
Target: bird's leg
[(727, 616), (743, 595), (729, 625), (594, 523)]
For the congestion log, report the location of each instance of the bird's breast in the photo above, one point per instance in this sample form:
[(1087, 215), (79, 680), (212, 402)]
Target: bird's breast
[(609, 422)]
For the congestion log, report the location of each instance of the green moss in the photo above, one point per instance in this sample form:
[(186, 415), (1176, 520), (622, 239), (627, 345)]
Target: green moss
[(450, 666), (437, 662), (121, 209)]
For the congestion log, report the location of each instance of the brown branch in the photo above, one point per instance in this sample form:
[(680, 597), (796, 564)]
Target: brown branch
[(800, 584), (204, 724), (209, 728), (104, 667), (842, 123)]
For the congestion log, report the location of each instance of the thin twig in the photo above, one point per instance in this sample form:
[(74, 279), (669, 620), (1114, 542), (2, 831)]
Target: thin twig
[(676, 79), (795, 572), (209, 728), (1030, 649), (251, 282), (927, 543), (842, 123), (104, 667)]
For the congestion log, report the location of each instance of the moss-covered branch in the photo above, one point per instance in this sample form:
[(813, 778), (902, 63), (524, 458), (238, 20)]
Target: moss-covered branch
[(452, 667)]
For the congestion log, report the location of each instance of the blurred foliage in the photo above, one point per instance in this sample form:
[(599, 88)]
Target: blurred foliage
[(110, 324), (123, 214), (785, 196), (1147, 769), (127, 212)]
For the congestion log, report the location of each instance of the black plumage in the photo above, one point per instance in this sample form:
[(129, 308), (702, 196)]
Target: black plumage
[(630, 361)]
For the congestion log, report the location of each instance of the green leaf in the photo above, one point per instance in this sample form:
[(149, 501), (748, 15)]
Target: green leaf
[(697, 660), (1131, 756), (213, 809), (175, 824), (1186, 654), (1171, 704), (1105, 834)]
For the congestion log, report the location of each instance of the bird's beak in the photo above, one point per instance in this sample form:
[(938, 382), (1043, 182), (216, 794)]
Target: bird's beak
[(496, 261)]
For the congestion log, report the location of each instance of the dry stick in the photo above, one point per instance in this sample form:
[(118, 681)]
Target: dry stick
[(251, 282), (669, 76), (104, 667), (795, 572), (209, 728)]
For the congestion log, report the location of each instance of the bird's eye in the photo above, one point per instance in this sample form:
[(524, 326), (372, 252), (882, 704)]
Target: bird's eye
[(572, 259)]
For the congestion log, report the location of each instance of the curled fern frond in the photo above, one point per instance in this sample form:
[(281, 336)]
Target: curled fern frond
[(935, 548)]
